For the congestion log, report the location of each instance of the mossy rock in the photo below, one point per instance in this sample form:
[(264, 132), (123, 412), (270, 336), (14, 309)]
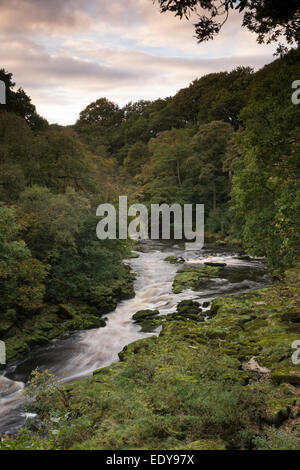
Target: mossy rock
[(187, 317), (175, 260), (194, 278), (286, 373), (149, 326), (279, 403), (108, 371), (103, 298), (142, 315), (137, 347), (147, 320), (124, 289), (215, 264), (291, 315), (188, 307)]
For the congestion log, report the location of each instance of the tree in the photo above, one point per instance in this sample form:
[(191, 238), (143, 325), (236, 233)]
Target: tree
[(101, 111), (51, 221), (21, 275), (269, 19), (137, 156), (165, 176), (59, 160), (214, 97), (16, 155), (19, 102), (210, 146), (135, 109), (265, 191)]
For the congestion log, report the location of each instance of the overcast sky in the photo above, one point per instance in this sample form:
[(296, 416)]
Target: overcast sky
[(67, 53)]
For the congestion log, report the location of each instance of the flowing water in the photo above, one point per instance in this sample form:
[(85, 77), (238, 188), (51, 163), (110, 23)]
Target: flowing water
[(82, 352)]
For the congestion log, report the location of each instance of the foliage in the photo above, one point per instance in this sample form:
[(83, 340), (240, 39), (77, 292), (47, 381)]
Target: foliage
[(18, 102), (265, 192), (268, 19), (278, 439), (102, 111), (21, 275)]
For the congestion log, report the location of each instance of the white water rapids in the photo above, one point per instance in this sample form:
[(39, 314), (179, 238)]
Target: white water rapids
[(82, 352)]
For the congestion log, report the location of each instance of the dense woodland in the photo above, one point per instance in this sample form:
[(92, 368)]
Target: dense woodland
[(229, 140)]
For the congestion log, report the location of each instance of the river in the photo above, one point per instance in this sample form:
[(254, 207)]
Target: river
[(84, 351)]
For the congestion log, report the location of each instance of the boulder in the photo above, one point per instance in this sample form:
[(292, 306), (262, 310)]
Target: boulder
[(8, 387), (175, 260), (142, 315), (210, 263)]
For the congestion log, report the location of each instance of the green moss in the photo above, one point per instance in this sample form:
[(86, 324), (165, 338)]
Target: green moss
[(187, 389), (204, 444), (188, 307), (194, 277), (144, 315), (137, 347), (286, 373)]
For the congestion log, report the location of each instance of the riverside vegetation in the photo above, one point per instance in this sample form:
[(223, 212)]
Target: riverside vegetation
[(231, 141)]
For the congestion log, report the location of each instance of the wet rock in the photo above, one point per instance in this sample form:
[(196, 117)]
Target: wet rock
[(142, 315), (194, 277), (188, 307), (175, 260), (215, 264), (8, 387), (143, 248), (147, 320), (255, 371), (132, 255), (35, 424)]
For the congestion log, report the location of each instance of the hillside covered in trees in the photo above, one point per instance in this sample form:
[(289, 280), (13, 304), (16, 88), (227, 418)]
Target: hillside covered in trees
[(231, 141)]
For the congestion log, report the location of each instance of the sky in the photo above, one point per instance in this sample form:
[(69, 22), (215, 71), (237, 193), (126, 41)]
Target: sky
[(68, 53)]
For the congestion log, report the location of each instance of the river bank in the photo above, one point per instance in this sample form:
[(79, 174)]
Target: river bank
[(53, 321), (219, 384), (236, 351), (79, 354)]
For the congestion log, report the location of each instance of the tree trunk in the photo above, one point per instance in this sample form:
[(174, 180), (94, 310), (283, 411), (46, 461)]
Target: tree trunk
[(214, 199), (178, 173)]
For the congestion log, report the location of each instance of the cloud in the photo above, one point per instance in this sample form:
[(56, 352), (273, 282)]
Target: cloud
[(68, 53), (43, 15)]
